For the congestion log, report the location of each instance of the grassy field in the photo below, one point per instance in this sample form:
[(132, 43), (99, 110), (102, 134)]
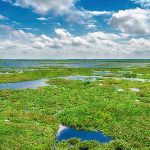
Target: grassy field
[(30, 118)]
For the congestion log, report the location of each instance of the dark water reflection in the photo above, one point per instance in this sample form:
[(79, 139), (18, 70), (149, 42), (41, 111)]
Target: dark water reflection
[(66, 133)]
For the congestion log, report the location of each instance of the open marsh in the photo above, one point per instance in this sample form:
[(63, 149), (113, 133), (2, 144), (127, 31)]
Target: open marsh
[(111, 101)]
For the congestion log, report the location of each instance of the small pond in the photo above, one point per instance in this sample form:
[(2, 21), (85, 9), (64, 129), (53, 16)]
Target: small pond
[(5, 73), (136, 79), (66, 133), (135, 89), (102, 72), (24, 85)]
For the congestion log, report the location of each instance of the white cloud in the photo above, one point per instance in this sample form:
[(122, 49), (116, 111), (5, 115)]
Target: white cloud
[(133, 21), (62, 33), (5, 28), (20, 44), (44, 6), (42, 19), (28, 29), (16, 23), (84, 17), (99, 13), (144, 3), (59, 7), (65, 8), (3, 17), (91, 26), (9, 1)]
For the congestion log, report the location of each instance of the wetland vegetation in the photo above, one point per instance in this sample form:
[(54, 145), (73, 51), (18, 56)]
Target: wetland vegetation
[(30, 118)]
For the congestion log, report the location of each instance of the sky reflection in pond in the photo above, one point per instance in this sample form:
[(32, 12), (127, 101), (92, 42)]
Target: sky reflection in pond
[(24, 85), (82, 78), (66, 133)]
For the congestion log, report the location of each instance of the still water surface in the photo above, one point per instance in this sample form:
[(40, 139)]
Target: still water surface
[(66, 133), (24, 85)]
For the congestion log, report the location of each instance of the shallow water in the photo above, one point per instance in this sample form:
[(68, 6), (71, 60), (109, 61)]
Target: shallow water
[(24, 85), (93, 78), (130, 79), (102, 72), (66, 133), (96, 63), (82, 78), (5, 73), (135, 89)]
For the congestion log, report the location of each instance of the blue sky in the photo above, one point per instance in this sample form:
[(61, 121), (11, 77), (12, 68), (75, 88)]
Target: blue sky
[(51, 29)]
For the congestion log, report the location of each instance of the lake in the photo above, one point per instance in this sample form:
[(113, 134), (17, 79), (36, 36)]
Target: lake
[(76, 63)]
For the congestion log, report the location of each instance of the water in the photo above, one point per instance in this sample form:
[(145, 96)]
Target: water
[(95, 63), (66, 133), (135, 89), (102, 72), (9, 63), (133, 79), (93, 78), (5, 73), (82, 78), (24, 85)]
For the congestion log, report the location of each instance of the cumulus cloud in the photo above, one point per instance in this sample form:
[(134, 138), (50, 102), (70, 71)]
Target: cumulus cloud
[(9, 1), (3, 17), (98, 13), (65, 8), (42, 19), (91, 26), (132, 21), (83, 16), (21, 44), (57, 6), (144, 3), (44, 6)]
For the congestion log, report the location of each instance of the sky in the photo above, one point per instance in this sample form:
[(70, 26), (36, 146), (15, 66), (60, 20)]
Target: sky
[(74, 29)]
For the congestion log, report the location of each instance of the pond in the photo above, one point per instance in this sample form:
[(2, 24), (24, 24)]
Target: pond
[(130, 79), (102, 72), (5, 73), (25, 85), (135, 89), (66, 133), (93, 78)]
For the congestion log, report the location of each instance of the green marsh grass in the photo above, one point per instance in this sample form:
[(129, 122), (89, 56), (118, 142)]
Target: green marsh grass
[(30, 118)]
